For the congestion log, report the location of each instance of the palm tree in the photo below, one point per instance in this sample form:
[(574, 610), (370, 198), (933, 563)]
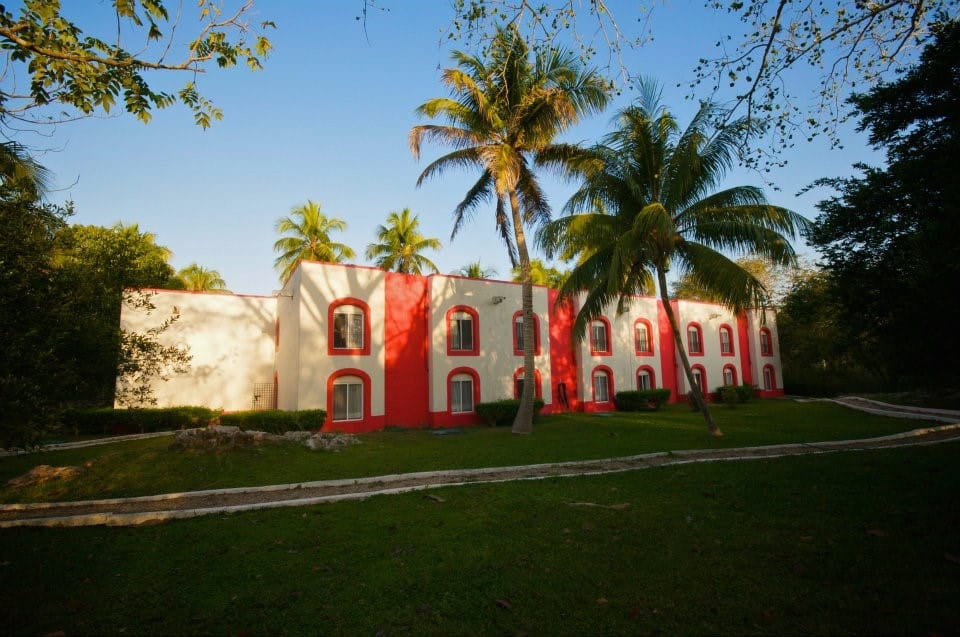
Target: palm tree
[(20, 176), (401, 244), (503, 116), (540, 274), (475, 270), (199, 279), (308, 238), (647, 203)]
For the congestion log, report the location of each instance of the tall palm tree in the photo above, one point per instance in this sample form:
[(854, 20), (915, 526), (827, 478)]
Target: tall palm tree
[(20, 176), (401, 244), (503, 116), (648, 204), (308, 237), (475, 270), (197, 278)]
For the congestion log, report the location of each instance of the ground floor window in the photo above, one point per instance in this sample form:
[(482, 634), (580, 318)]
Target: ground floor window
[(461, 394), (768, 378), (347, 399), (729, 376), (644, 381), (601, 387), (700, 379)]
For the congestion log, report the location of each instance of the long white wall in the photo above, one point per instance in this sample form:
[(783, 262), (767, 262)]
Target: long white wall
[(230, 338), (710, 318)]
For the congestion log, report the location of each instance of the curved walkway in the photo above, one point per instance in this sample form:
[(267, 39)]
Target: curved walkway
[(133, 511)]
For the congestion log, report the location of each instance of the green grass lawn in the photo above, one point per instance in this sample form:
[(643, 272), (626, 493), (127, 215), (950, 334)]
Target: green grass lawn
[(150, 466), (844, 543)]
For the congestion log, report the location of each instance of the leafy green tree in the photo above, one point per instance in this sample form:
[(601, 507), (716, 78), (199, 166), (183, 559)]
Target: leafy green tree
[(889, 237), (197, 278), (63, 66), (777, 280), (540, 274), (647, 204), (475, 270), (505, 114), (400, 245), (308, 238)]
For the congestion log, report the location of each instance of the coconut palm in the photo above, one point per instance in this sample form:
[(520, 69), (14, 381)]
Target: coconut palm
[(541, 274), (197, 278), (21, 177), (308, 237), (401, 244), (503, 116), (475, 270), (648, 204)]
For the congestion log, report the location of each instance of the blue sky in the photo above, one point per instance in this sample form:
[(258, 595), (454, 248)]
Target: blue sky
[(327, 119)]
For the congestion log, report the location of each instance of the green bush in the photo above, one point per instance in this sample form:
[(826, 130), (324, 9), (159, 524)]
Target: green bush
[(503, 412), (275, 421), (746, 392), (729, 395), (642, 400), (130, 421)]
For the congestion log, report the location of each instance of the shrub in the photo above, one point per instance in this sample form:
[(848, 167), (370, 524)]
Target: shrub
[(110, 421), (643, 400), (729, 395), (746, 392), (275, 421), (503, 412)]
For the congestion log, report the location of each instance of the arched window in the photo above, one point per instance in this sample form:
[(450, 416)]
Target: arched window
[(602, 385), (349, 327), (518, 333), (600, 337), (463, 331), (643, 337), (694, 339), (766, 342), (463, 391), (518, 383), (726, 341), (700, 378), (348, 395), (646, 378), (769, 378), (729, 375)]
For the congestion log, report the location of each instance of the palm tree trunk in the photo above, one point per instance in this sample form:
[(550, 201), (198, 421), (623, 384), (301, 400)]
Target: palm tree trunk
[(523, 423), (694, 387)]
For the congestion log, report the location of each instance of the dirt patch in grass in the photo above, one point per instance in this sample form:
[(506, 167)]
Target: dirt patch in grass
[(42, 474)]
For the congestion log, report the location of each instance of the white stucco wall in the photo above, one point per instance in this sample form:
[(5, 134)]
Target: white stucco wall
[(288, 352), (496, 363), (710, 317), (320, 285), (231, 340), (755, 321)]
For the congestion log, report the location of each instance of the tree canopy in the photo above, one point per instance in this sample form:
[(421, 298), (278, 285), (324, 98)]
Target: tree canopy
[(400, 245), (308, 237)]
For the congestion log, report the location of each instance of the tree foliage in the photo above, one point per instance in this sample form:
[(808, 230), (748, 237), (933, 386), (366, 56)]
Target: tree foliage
[(308, 232), (476, 270), (57, 69), (197, 278), (777, 281), (889, 236), (400, 245), (541, 274)]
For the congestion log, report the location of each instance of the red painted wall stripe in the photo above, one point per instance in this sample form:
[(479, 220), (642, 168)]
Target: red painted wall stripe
[(743, 335), (563, 362), (405, 332), (668, 353)]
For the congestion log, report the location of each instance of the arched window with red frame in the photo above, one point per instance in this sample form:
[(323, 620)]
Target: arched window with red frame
[(694, 339), (766, 342), (348, 332), (729, 375), (602, 382), (600, 337), (463, 391), (700, 378), (348, 395), (463, 331), (518, 383), (726, 340), (769, 378), (646, 378), (518, 334), (643, 337)]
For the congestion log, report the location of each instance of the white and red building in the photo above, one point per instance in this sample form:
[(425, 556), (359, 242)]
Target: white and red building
[(376, 348)]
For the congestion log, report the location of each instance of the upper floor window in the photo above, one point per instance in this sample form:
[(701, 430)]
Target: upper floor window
[(694, 340), (462, 331), (349, 332), (643, 337), (766, 342), (600, 336), (518, 334), (726, 340)]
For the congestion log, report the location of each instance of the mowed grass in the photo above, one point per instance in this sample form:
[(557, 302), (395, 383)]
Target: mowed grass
[(845, 543), (150, 466)]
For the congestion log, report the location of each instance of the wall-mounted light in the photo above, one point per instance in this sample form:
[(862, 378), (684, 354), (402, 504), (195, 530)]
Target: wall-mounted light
[(497, 300)]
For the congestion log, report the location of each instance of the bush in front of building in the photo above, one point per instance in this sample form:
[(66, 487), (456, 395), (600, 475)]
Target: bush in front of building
[(109, 422), (503, 412), (733, 395), (641, 400), (275, 421)]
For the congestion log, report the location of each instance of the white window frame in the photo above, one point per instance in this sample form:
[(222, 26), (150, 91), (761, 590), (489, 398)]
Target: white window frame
[(599, 328), (352, 387), (642, 346), (598, 395), (767, 378), (728, 376), (460, 320), (698, 379), (354, 318), (459, 384), (695, 331), (644, 373), (726, 341)]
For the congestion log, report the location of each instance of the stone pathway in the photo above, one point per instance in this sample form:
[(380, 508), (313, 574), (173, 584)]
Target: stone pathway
[(148, 509)]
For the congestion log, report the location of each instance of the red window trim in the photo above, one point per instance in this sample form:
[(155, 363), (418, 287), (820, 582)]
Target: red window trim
[(348, 351), (476, 331), (773, 377), (733, 347), (649, 326), (649, 370), (364, 379), (734, 370), (769, 350), (699, 329), (517, 351), (593, 387), (469, 371), (537, 383), (606, 324)]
